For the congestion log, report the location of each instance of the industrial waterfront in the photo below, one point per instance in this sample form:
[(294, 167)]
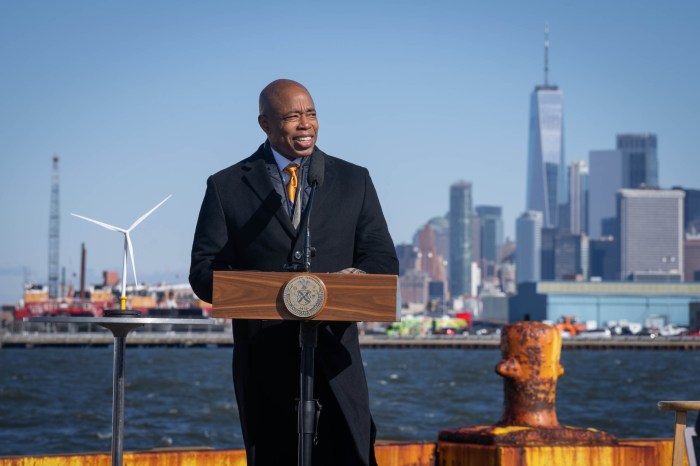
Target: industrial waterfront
[(58, 400), (205, 338)]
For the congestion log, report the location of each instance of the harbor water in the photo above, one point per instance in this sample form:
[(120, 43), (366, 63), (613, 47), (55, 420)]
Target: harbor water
[(58, 400)]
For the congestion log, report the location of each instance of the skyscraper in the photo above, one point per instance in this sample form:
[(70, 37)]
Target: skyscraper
[(604, 180), (546, 175), (691, 211), (578, 197), (639, 161), (548, 244), (491, 227), (429, 261), (650, 233), (407, 255), (603, 260), (476, 239), (691, 260), (563, 256), (571, 256), (441, 229), (632, 165), (460, 261), (528, 229)]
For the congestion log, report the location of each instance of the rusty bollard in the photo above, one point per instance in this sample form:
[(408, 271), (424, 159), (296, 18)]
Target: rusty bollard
[(530, 369)]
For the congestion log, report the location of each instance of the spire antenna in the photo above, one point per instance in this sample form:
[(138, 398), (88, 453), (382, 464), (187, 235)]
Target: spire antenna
[(546, 53)]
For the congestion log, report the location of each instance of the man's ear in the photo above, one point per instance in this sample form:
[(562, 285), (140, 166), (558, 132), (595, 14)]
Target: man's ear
[(264, 124)]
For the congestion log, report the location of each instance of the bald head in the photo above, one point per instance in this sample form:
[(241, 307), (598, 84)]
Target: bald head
[(288, 117), (276, 90)]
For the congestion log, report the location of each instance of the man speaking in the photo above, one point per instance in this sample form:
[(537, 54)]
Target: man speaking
[(250, 220)]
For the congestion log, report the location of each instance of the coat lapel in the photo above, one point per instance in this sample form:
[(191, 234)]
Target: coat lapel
[(258, 180), (324, 207)]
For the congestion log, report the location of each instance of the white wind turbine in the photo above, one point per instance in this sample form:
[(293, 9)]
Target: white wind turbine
[(128, 248)]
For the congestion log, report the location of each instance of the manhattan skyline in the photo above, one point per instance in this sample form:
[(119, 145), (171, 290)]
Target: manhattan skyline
[(143, 100)]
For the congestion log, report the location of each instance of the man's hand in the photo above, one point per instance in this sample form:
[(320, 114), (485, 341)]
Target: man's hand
[(352, 270)]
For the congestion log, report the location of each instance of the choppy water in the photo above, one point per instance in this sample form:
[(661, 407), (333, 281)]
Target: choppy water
[(58, 400)]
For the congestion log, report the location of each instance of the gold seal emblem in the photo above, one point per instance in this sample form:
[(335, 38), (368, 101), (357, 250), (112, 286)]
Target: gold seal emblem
[(304, 296)]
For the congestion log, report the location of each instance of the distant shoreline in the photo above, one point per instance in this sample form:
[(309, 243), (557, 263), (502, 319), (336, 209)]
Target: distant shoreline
[(224, 339)]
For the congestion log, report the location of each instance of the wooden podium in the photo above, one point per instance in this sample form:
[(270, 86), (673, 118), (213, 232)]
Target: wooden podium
[(348, 297), (310, 298)]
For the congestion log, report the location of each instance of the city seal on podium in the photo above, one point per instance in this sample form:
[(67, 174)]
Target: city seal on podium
[(304, 296)]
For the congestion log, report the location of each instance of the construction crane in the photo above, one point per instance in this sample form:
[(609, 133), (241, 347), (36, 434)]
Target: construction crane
[(54, 230)]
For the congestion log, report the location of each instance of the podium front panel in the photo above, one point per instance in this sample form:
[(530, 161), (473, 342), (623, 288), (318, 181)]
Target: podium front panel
[(350, 297)]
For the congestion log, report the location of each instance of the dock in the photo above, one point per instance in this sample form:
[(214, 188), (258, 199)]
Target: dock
[(224, 339), (655, 452)]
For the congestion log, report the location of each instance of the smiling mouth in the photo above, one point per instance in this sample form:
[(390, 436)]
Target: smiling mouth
[(303, 142)]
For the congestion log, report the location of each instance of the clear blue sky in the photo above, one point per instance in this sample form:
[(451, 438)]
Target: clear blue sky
[(144, 99)]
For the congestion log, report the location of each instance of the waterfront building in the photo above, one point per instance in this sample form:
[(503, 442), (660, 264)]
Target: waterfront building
[(407, 255), (436, 296), (650, 225), (603, 260), (528, 239), (428, 260), (491, 228), (691, 260), (110, 278), (694, 315), (602, 302), (413, 286), (691, 211), (506, 267), (441, 232), (564, 255), (494, 307), (546, 176), (571, 257), (460, 259), (578, 197), (639, 160), (491, 239), (604, 180), (506, 277), (547, 244), (475, 279), (476, 239)]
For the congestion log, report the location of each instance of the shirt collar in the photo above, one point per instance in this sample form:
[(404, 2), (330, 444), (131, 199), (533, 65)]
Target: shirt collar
[(282, 161)]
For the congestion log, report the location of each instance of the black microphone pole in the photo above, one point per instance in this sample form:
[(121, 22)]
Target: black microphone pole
[(308, 409)]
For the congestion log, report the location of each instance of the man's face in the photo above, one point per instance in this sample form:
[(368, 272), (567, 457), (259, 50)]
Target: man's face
[(290, 122)]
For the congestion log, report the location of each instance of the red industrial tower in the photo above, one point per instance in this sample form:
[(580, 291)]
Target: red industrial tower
[(54, 229)]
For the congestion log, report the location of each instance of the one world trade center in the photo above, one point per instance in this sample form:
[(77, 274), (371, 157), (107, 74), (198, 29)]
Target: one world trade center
[(546, 175)]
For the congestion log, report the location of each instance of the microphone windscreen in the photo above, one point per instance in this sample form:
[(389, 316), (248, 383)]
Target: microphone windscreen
[(316, 169)]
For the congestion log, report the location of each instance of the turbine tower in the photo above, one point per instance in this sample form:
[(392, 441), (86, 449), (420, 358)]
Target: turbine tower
[(54, 224)]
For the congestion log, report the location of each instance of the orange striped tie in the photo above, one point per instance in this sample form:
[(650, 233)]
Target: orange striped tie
[(293, 182)]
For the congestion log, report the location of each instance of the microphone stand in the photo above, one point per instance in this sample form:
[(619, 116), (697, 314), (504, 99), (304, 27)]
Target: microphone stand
[(308, 408)]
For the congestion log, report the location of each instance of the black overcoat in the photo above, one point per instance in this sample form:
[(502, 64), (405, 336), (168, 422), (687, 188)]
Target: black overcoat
[(244, 225)]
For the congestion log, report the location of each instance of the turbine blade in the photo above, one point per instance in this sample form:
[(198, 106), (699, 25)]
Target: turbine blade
[(143, 217), (102, 224), (131, 255)]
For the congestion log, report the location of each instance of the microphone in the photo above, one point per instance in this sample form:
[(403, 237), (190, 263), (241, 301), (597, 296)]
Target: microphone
[(316, 169), (302, 253)]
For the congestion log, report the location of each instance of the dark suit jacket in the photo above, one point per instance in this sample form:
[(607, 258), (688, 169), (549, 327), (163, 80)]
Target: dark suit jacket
[(243, 225)]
